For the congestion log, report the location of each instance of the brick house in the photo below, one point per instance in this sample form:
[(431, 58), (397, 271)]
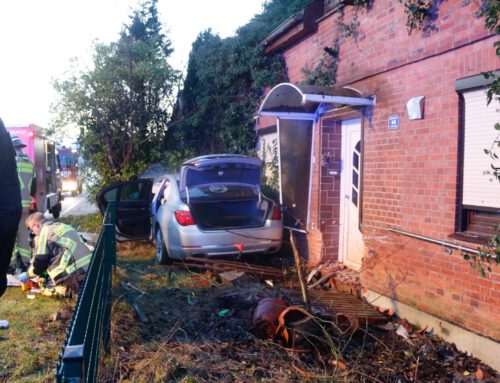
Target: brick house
[(386, 170)]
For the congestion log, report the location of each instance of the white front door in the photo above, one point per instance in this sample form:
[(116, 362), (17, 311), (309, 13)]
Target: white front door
[(351, 240)]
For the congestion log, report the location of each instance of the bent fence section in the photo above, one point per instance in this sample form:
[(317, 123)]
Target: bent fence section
[(89, 331)]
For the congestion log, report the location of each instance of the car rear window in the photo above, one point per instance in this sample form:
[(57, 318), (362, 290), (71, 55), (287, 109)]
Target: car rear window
[(229, 173), (222, 192)]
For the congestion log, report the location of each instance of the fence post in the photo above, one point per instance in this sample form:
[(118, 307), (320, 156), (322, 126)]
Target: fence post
[(109, 263), (74, 371)]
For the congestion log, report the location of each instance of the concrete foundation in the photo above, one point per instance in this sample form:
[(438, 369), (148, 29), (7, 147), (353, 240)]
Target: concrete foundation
[(485, 349)]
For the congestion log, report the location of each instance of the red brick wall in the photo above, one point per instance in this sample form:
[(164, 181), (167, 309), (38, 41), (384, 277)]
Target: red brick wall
[(329, 161), (410, 178)]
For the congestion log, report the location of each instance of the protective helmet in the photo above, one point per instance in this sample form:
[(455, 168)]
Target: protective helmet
[(16, 141)]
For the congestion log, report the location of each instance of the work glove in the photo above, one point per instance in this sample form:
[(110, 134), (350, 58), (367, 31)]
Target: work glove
[(23, 277)]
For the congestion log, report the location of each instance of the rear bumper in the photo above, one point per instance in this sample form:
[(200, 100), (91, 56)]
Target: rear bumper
[(190, 241), (228, 249)]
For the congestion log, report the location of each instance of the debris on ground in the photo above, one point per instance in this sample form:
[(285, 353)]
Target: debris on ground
[(13, 281), (63, 315), (134, 298), (265, 317), (222, 266), (335, 276), (215, 322)]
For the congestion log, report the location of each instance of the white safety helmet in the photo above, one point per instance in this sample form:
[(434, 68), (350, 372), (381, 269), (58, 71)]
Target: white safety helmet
[(16, 141)]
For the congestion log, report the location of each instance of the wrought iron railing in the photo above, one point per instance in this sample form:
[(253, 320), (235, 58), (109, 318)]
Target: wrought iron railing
[(89, 331)]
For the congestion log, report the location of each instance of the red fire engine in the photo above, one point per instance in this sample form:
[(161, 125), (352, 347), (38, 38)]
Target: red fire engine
[(70, 172), (42, 152)]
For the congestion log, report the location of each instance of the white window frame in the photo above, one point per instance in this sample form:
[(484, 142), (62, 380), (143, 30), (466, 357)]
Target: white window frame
[(479, 187)]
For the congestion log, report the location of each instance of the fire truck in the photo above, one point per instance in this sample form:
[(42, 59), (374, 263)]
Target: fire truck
[(70, 171), (42, 152)]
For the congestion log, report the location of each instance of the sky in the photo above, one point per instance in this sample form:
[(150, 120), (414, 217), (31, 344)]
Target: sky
[(38, 38)]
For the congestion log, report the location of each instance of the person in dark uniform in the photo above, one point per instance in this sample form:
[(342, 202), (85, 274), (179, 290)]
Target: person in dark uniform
[(21, 255), (10, 203)]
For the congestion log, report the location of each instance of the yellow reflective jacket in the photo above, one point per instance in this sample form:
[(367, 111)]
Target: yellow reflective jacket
[(60, 251), (26, 173)]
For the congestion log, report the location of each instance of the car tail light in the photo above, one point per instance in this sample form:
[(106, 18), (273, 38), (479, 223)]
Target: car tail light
[(276, 216), (184, 217)]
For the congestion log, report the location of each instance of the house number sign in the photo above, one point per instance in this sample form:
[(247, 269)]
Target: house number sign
[(393, 122)]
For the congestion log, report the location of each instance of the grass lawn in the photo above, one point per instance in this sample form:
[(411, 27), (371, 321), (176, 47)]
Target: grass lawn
[(83, 223), (29, 347)]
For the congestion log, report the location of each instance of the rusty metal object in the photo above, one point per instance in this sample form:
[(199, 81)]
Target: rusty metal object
[(330, 304), (346, 324), (321, 280), (218, 265), (296, 325), (265, 317)]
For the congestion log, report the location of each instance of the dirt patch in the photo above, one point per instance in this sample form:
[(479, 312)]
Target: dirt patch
[(199, 330)]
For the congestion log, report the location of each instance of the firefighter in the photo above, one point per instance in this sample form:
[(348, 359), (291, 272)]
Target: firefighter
[(60, 253), (26, 171), (10, 203)]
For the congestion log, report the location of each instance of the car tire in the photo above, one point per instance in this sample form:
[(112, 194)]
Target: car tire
[(161, 253)]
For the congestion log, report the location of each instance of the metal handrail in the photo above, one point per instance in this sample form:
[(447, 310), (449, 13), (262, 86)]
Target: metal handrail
[(465, 249), (89, 332)]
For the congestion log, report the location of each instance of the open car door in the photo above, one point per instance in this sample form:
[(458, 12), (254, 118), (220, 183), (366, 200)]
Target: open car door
[(133, 208)]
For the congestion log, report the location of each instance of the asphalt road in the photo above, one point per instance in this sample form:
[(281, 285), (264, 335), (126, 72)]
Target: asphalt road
[(78, 205)]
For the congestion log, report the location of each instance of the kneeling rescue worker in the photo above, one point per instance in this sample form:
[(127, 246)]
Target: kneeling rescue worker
[(60, 252)]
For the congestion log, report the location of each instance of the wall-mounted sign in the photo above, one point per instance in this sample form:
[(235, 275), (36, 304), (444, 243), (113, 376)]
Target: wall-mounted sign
[(393, 122)]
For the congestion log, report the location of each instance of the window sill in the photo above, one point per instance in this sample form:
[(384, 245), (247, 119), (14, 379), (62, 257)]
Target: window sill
[(472, 237)]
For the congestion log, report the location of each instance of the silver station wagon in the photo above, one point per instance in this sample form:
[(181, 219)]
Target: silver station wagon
[(214, 207)]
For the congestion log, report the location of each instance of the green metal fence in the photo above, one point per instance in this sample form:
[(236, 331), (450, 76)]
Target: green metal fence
[(89, 331)]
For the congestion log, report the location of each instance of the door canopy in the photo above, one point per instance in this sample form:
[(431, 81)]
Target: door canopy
[(287, 98)]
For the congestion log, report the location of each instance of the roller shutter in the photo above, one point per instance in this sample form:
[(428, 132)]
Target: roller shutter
[(480, 188)]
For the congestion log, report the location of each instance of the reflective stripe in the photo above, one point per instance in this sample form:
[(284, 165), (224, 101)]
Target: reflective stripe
[(79, 264), (25, 253), (70, 246), (21, 183), (41, 247), (25, 171), (25, 167), (62, 229)]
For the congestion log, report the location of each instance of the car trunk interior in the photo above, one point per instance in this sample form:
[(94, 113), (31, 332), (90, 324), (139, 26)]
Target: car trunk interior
[(216, 215), (224, 206)]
